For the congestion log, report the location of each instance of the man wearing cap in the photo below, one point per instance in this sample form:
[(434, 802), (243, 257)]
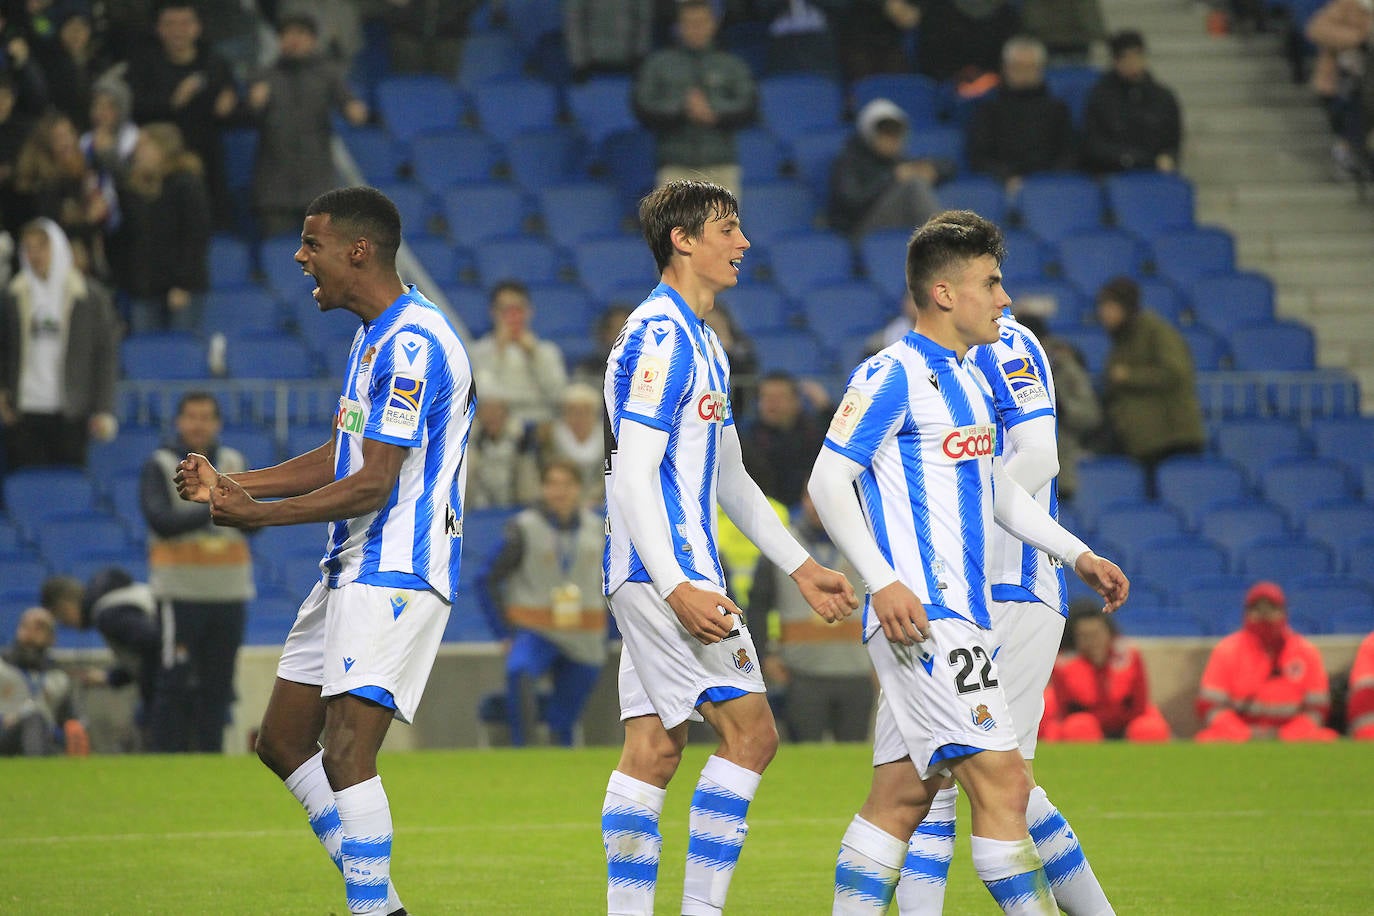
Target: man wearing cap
[(1264, 681), (873, 185)]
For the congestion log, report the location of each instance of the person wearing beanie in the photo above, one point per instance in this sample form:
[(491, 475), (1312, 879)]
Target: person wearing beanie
[(873, 185), (1264, 680), (109, 143)]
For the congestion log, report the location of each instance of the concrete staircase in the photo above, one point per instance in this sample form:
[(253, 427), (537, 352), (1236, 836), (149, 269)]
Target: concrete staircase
[(1258, 149)]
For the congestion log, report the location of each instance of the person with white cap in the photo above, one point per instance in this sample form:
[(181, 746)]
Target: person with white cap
[(873, 185)]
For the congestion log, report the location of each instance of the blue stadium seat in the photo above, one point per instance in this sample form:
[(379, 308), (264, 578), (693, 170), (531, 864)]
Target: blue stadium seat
[(802, 261), (532, 21), (376, 152), (1192, 483), (415, 204), (121, 491), (275, 356), (1089, 259), (883, 256), (227, 310), (562, 311), (813, 158), (36, 493), (540, 159), (938, 143), (1185, 255), (125, 453), (231, 263), (916, 94), (240, 148), (1054, 206), (1149, 203), (454, 157), (524, 259), (508, 107), (1027, 257), (1154, 620), (763, 157), (1346, 439), (440, 259), (480, 212), (1297, 483), (626, 157), (794, 104), (307, 437), (1060, 302), (1285, 559), (1233, 525), (1209, 350), (777, 209), (1071, 83), (979, 193), (601, 107), (163, 355), (794, 351), (418, 104), (604, 264), (1161, 296), (1346, 526), (23, 580), (1131, 525), (1215, 600), (1225, 302), (1091, 342), (257, 442), (1167, 562), (132, 558), (488, 56), (841, 311), (1277, 346), (277, 258), (757, 307), (1317, 597), (1104, 479), (64, 537), (1359, 620), (1256, 442), (585, 210)]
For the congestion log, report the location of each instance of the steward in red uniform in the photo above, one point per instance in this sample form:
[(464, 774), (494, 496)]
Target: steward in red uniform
[(1101, 690), (1359, 703)]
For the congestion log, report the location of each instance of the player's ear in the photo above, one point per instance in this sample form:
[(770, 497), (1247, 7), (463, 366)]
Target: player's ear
[(361, 248), (942, 295), (682, 242)]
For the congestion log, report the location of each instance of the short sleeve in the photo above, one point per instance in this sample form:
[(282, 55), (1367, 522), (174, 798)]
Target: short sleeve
[(659, 360), (402, 388), (873, 408)]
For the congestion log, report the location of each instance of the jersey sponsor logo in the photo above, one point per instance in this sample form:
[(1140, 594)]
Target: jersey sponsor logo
[(742, 660), (453, 525), (1024, 380), (982, 718), (848, 415), (711, 407), (402, 413), (350, 417), (964, 442), (651, 374)]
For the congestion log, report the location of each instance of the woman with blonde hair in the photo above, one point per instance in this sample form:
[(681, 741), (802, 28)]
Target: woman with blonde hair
[(52, 179)]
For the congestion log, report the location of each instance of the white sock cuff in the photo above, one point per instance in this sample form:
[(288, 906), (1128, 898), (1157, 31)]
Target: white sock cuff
[(728, 775), (998, 859), (875, 843), (943, 803), (641, 793), (302, 775), (1038, 806), (366, 798)]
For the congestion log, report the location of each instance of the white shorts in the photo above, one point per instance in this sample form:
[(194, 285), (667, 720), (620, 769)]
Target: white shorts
[(941, 699), (354, 636), (663, 669), (1026, 635)]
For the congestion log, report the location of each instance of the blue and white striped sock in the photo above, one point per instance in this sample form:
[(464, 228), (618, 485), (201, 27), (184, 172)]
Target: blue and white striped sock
[(1014, 875), (717, 826), (629, 831), (1075, 886), (867, 869), (365, 815), (921, 890)]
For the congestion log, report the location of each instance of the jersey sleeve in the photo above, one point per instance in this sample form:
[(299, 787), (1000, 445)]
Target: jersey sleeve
[(1017, 379), (659, 361), (872, 410), (403, 386)]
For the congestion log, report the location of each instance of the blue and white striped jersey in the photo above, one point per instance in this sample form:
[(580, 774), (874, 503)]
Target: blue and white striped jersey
[(668, 370), (409, 383), (922, 424), (1023, 389)]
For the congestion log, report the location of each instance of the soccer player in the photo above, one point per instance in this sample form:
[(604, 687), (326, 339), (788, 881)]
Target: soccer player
[(687, 649), (916, 433), (1027, 612), (390, 483)]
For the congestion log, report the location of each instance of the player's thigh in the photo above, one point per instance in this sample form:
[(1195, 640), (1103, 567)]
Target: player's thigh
[(291, 725), (743, 720), (1027, 636), (996, 783)]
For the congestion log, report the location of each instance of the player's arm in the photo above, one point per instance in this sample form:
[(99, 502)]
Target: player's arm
[(1035, 454), (196, 476), (1017, 512), (827, 591)]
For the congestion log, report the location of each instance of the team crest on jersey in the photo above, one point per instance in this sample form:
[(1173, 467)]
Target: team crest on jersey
[(982, 718), (350, 416), (365, 364), (402, 414), (651, 374), (1024, 380), (742, 660), (848, 415)]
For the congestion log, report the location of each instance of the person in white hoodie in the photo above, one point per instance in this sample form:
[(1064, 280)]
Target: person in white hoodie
[(873, 184)]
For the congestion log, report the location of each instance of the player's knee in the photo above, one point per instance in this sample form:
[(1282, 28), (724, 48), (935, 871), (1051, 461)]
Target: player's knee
[(653, 758), (752, 748)]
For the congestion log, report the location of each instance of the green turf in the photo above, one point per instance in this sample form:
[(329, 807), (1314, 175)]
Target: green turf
[(1174, 829)]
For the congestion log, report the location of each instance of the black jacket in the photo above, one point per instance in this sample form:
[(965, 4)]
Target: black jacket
[(1126, 125), (1020, 131)]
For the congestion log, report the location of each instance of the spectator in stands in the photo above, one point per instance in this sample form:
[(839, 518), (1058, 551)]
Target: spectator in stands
[(543, 594), (576, 436), (1078, 410), (1340, 31), (873, 36), (606, 36), (1264, 680), (18, 61), (205, 571), (1131, 121), (962, 41), (1021, 129), (820, 670), (528, 370), (744, 360), (1100, 690), (426, 36), (781, 445), (339, 26), (1070, 29), (292, 102), (71, 65), (38, 715), (109, 143), (1149, 385), (1359, 698), (874, 184), (800, 35), (694, 97), (58, 355), (504, 470), (160, 254), (591, 369), (53, 180), (185, 82)]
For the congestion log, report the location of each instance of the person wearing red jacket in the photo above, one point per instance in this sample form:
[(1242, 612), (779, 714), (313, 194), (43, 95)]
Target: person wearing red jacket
[(1359, 702), (1264, 681), (1100, 691)]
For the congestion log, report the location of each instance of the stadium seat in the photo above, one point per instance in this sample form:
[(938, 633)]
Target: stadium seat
[(277, 258), (257, 442), (604, 264), (795, 104), (524, 259), (1131, 525), (240, 148), (508, 107), (1092, 344), (23, 579), (1233, 525), (1155, 620), (1164, 562), (1297, 483), (763, 158), (1346, 526), (488, 56), (812, 160), (419, 104), (1317, 597), (302, 438), (132, 558), (1277, 346), (1089, 259), (1185, 255), (231, 263), (121, 491), (1060, 302), (1071, 83), (805, 260), (454, 157), (1027, 257), (1256, 442), (561, 310), (274, 356), (601, 107), (1192, 483), (1346, 439), (439, 258), (979, 193), (883, 256), (1358, 620), (1162, 297), (1225, 302), (757, 307), (1285, 559), (1105, 479), (1215, 600), (1150, 203), (540, 159), (163, 355), (480, 212), (793, 351), (777, 209), (125, 453), (1209, 350), (837, 312), (916, 94), (376, 152), (532, 21), (938, 144), (584, 210), (1057, 205), (63, 537), (227, 310), (35, 493), (626, 157)]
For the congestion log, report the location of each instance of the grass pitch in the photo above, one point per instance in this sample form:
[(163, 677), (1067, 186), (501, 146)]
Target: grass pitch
[(1172, 829)]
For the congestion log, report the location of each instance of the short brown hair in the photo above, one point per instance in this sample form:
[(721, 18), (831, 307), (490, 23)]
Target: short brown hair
[(685, 204), (946, 238)]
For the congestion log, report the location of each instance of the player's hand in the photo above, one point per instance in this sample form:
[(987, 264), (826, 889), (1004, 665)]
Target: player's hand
[(195, 478), (827, 591), (232, 507), (704, 614), (902, 614), (1105, 578)]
